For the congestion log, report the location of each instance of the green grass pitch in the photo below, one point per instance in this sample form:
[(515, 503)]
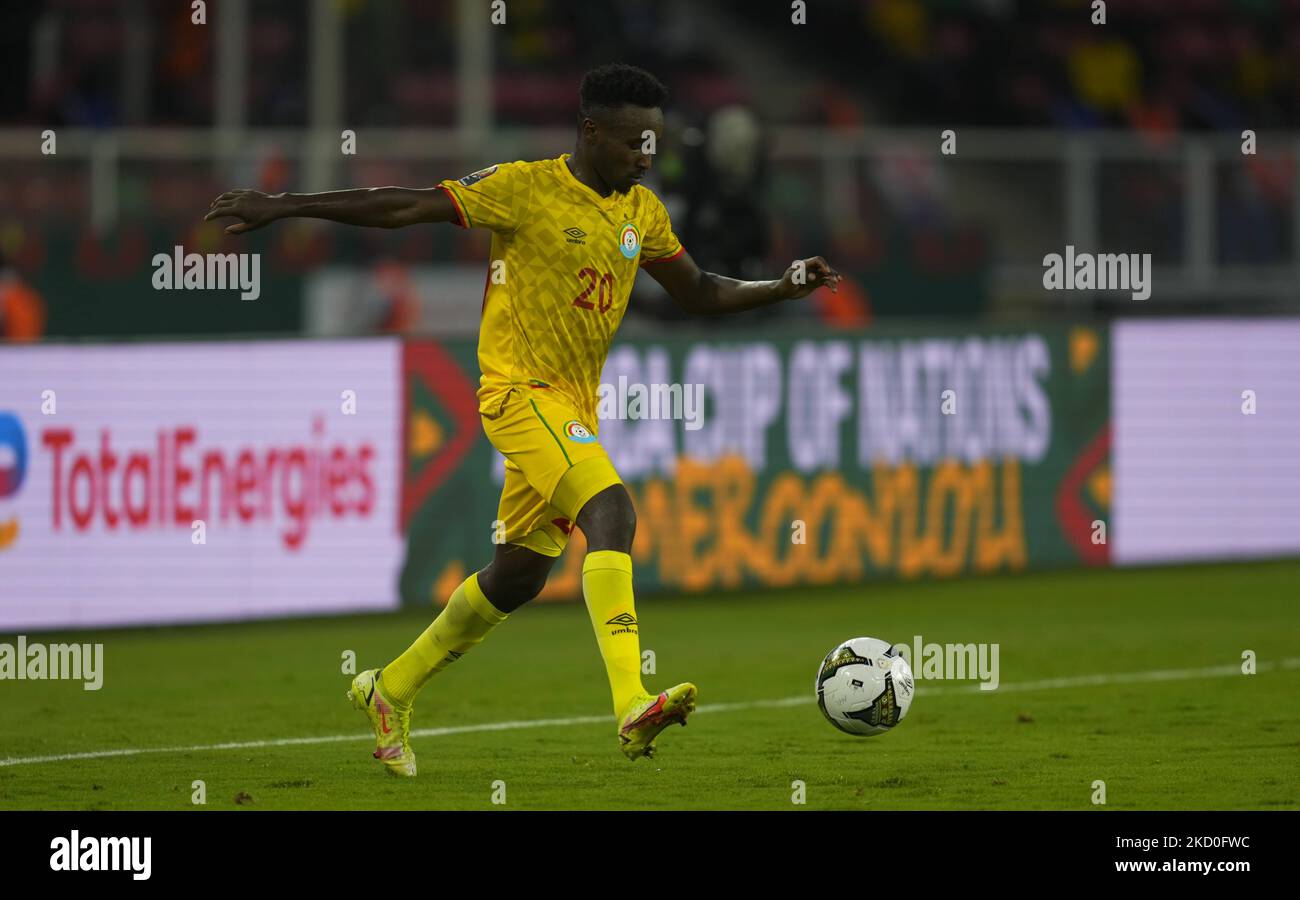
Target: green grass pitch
[(1186, 740)]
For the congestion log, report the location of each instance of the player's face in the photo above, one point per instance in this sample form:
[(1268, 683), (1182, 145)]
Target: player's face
[(619, 151)]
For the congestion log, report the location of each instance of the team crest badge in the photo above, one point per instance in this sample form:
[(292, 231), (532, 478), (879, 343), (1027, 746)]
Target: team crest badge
[(474, 177), (629, 241), (577, 432)]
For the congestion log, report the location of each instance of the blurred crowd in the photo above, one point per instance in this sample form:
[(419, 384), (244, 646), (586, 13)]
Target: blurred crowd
[(734, 68), (1154, 64), (113, 63)]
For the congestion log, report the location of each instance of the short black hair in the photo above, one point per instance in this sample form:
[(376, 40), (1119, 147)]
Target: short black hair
[(617, 84)]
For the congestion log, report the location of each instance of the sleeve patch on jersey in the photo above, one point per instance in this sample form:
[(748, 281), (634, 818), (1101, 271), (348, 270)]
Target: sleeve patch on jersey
[(474, 177)]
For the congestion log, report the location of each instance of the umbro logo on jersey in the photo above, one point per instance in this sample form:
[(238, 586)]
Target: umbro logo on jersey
[(576, 235)]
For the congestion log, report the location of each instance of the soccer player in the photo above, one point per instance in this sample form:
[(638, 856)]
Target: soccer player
[(568, 235)]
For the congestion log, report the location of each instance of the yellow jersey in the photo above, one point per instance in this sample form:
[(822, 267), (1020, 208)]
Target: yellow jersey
[(562, 265)]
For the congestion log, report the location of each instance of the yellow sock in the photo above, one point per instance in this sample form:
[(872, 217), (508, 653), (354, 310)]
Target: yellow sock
[(465, 621), (607, 587)]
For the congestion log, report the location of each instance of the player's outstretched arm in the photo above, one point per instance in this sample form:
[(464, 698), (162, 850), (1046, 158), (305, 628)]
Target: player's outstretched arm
[(382, 207), (707, 294)]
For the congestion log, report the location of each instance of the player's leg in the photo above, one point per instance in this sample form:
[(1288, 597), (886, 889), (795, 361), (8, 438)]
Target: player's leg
[(481, 602), (608, 521), (545, 440), (515, 576)]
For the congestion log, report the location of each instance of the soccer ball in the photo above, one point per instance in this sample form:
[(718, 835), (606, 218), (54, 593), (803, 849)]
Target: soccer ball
[(864, 687)]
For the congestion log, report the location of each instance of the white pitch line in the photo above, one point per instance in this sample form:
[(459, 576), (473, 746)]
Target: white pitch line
[(1116, 678), (1048, 684)]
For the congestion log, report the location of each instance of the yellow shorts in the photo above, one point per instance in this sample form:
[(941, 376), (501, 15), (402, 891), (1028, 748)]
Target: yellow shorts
[(554, 465)]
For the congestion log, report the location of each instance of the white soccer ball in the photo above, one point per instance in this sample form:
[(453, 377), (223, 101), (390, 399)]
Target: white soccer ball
[(864, 687)]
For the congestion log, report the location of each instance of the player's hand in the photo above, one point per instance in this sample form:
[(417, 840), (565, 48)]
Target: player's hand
[(806, 275), (253, 208)]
